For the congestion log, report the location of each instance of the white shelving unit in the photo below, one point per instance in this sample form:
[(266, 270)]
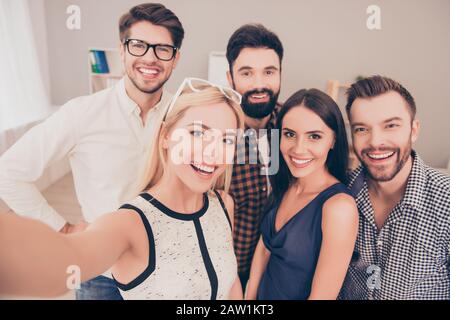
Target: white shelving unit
[(101, 81), (217, 68)]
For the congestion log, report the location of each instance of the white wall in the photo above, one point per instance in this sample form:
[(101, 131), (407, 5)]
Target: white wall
[(38, 20), (323, 39)]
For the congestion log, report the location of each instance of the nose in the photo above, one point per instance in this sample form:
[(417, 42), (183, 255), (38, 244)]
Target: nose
[(150, 55), (211, 156), (259, 82), (213, 152), (376, 139), (300, 146)]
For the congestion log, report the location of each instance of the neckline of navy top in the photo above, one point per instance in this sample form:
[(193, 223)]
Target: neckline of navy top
[(277, 206)]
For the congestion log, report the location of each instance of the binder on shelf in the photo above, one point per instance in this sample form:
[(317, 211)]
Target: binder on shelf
[(101, 64), (94, 66)]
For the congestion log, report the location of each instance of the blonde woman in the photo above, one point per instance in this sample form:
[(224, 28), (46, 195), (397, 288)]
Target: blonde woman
[(172, 241)]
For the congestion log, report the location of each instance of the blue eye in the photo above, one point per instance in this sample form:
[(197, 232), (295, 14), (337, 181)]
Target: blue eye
[(229, 141), (197, 133)]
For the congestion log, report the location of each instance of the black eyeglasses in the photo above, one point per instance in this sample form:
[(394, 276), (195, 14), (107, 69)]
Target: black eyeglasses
[(139, 48)]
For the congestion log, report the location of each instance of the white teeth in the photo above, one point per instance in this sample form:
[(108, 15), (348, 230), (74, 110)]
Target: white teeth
[(204, 168), (297, 161), (380, 156), (148, 71), (259, 96)]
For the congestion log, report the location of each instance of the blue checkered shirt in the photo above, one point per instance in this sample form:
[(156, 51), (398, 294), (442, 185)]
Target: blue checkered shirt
[(409, 257)]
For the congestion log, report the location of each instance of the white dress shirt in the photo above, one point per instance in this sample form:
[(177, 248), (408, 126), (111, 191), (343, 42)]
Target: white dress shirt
[(106, 143)]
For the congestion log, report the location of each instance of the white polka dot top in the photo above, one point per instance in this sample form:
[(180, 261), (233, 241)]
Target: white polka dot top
[(191, 255)]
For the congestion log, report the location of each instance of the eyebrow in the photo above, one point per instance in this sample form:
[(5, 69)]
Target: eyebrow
[(385, 121), (308, 132), (197, 124), (358, 124), (393, 119), (245, 68)]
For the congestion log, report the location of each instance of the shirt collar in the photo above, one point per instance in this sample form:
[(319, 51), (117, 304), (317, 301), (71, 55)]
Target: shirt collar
[(130, 106), (415, 186)]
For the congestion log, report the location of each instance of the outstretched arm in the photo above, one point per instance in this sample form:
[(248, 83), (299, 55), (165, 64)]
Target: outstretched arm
[(35, 260), (339, 231)]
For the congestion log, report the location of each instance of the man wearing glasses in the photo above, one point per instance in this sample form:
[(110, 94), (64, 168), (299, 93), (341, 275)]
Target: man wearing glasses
[(106, 135)]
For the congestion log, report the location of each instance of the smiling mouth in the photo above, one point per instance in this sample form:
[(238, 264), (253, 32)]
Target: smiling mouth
[(380, 156), (202, 169), (301, 162), (260, 97), (148, 72)]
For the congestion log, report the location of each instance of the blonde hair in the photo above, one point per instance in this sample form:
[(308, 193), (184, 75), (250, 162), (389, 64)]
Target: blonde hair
[(157, 158)]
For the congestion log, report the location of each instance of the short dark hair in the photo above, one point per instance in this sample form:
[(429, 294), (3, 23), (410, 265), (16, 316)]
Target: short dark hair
[(325, 107), (156, 14), (252, 36), (377, 85)]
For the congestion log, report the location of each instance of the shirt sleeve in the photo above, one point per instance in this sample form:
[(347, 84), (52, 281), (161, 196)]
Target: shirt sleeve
[(25, 162)]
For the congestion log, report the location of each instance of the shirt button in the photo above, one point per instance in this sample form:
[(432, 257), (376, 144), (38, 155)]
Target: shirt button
[(379, 243), (264, 189)]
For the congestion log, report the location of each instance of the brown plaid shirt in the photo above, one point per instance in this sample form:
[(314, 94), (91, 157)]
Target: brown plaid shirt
[(249, 188)]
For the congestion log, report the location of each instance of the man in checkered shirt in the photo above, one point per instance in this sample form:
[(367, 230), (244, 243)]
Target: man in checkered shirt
[(403, 244), (254, 55)]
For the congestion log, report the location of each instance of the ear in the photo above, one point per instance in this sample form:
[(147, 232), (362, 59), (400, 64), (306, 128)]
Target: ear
[(230, 79), (176, 59), (415, 130), (122, 52)]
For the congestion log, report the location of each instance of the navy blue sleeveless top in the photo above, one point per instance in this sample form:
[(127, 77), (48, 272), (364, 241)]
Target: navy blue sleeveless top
[(294, 249)]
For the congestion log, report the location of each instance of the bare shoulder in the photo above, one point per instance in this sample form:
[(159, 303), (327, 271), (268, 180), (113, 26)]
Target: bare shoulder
[(122, 219), (129, 217), (340, 206), (128, 225)]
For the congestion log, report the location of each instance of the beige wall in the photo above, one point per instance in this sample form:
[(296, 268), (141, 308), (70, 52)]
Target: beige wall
[(323, 39)]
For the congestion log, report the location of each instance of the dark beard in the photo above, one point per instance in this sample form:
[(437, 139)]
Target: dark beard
[(259, 110), (400, 163)]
